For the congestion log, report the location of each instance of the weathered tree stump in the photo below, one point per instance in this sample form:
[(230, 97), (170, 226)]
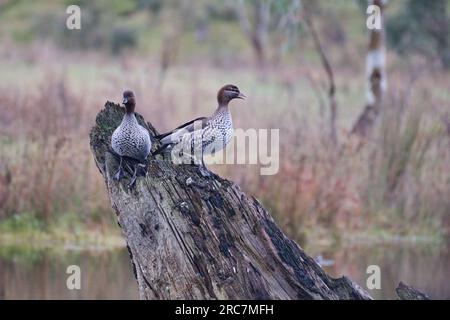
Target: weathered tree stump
[(405, 292), (191, 237)]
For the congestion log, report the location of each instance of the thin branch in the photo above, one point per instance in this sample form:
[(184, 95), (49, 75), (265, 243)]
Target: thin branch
[(329, 72)]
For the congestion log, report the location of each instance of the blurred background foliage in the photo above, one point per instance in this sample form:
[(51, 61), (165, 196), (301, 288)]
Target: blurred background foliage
[(115, 25), (422, 27), (175, 54)]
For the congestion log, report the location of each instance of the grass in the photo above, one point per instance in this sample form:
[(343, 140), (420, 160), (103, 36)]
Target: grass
[(68, 232)]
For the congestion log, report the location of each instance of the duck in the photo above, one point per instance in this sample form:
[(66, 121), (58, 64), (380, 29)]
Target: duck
[(130, 139), (204, 135)]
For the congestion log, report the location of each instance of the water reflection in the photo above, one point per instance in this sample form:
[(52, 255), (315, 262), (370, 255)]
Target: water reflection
[(41, 274), (425, 268), (31, 274)]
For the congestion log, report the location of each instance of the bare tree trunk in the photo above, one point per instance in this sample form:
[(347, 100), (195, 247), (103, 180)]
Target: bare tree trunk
[(329, 71), (171, 43), (446, 120), (376, 77), (169, 52), (256, 32), (191, 237)]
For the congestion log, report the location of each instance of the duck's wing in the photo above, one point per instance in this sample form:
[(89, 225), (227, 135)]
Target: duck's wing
[(188, 127)]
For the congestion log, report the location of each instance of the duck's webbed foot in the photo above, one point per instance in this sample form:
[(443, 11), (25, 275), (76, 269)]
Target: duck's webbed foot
[(142, 169), (119, 173), (204, 171), (133, 178)]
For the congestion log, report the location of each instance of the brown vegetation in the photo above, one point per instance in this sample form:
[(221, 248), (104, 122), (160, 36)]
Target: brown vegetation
[(399, 180)]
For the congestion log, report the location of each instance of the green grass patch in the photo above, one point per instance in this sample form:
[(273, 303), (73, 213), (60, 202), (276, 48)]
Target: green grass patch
[(68, 231)]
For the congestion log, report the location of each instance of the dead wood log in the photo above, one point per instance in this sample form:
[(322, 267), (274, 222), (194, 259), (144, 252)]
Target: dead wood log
[(405, 292), (191, 237)]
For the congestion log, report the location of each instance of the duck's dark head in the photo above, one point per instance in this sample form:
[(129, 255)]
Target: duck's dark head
[(129, 100), (228, 93)]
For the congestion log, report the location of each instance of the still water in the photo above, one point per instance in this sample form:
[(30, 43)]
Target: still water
[(41, 274)]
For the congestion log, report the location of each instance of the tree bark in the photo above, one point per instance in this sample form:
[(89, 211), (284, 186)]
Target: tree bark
[(191, 237), (405, 292)]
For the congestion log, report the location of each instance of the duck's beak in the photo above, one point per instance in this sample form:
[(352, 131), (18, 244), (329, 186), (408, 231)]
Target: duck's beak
[(241, 96), (125, 100)]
